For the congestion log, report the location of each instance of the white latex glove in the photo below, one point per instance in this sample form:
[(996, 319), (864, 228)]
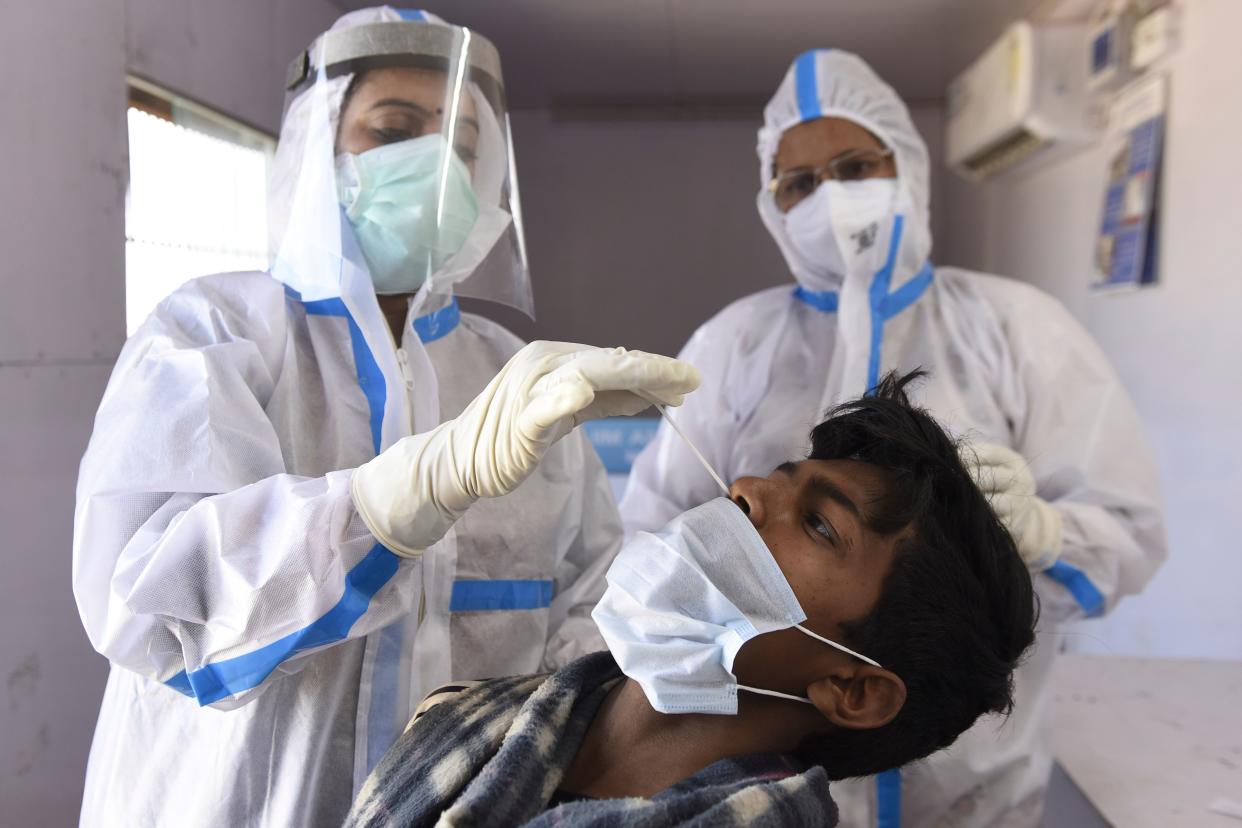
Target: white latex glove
[(1003, 476), (413, 492)]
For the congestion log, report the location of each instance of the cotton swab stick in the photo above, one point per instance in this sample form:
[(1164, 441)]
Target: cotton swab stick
[(664, 412)]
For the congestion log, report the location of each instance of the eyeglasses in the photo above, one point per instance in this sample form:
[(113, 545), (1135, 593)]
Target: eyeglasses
[(855, 165)]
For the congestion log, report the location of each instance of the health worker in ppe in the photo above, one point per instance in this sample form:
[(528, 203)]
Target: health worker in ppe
[(271, 540), (1056, 442)]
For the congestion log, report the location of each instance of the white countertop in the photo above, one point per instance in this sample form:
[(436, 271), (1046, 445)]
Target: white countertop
[(1152, 742)]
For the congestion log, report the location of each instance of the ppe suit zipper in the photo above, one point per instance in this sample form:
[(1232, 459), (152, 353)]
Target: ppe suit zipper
[(404, 361), (407, 375)]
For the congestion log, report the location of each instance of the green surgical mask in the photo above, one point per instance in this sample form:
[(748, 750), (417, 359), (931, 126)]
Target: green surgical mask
[(392, 195)]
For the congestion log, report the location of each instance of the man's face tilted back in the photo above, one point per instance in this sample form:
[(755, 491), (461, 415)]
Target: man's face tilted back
[(892, 550), (813, 517)]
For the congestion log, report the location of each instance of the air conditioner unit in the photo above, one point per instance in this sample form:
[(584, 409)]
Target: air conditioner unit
[(1023, 96)]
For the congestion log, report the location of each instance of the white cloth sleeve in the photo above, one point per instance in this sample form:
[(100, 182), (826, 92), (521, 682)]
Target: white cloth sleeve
[(1077, 428), (198, 562)]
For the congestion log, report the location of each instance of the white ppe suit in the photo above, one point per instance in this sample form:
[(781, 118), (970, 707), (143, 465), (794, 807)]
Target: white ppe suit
[(1008, 365), (265, 648)]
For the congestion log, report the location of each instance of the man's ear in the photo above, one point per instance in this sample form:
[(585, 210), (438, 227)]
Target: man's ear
[(865, 697)]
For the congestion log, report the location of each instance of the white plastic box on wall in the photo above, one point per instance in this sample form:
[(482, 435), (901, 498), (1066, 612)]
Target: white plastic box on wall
[(1155, 37)]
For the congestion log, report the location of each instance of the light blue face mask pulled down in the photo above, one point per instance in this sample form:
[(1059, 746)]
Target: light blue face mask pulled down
[(411, 206), (681, 602)]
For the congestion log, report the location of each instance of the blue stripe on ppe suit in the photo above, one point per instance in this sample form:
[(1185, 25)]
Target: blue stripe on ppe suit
[(213, 682)]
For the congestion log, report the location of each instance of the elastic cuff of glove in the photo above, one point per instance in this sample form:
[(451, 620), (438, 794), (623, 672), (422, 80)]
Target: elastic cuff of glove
[(404, 522), (1049, 546), (385, 539), (1043, 562)]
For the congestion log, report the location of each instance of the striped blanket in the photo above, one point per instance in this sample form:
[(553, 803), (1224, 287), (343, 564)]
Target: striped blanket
[(493, 754)]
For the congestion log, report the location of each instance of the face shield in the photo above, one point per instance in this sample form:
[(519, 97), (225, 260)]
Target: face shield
[(394, 172)]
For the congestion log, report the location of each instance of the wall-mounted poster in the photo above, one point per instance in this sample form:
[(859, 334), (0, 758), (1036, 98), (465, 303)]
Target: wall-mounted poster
[(1125, 251)]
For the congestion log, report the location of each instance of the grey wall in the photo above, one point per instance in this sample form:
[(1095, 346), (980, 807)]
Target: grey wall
[(639, 230), (63, 320)]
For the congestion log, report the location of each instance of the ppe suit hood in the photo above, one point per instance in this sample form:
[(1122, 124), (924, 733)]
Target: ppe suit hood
[(828, 83), (313, 250), (295, 126)]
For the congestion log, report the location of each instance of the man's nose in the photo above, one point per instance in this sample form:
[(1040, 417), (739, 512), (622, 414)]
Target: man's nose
[(751, 496)]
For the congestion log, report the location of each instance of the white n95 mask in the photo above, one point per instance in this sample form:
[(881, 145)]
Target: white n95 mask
[(836, 231), (411, 206), (680, 604)]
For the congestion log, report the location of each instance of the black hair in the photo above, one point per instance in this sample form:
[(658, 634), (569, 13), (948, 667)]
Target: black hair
[(956, 611)]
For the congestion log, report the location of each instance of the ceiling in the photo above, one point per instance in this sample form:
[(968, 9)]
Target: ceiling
[(729, 54)]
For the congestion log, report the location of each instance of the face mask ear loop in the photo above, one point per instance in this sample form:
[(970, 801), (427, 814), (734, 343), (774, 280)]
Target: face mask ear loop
[(840, 647), (774, 694), (664, 412)]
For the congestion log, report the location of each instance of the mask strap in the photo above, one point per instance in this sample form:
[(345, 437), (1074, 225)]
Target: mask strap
[(775, 694), (840, 647), (803, 699), (664, 412)]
